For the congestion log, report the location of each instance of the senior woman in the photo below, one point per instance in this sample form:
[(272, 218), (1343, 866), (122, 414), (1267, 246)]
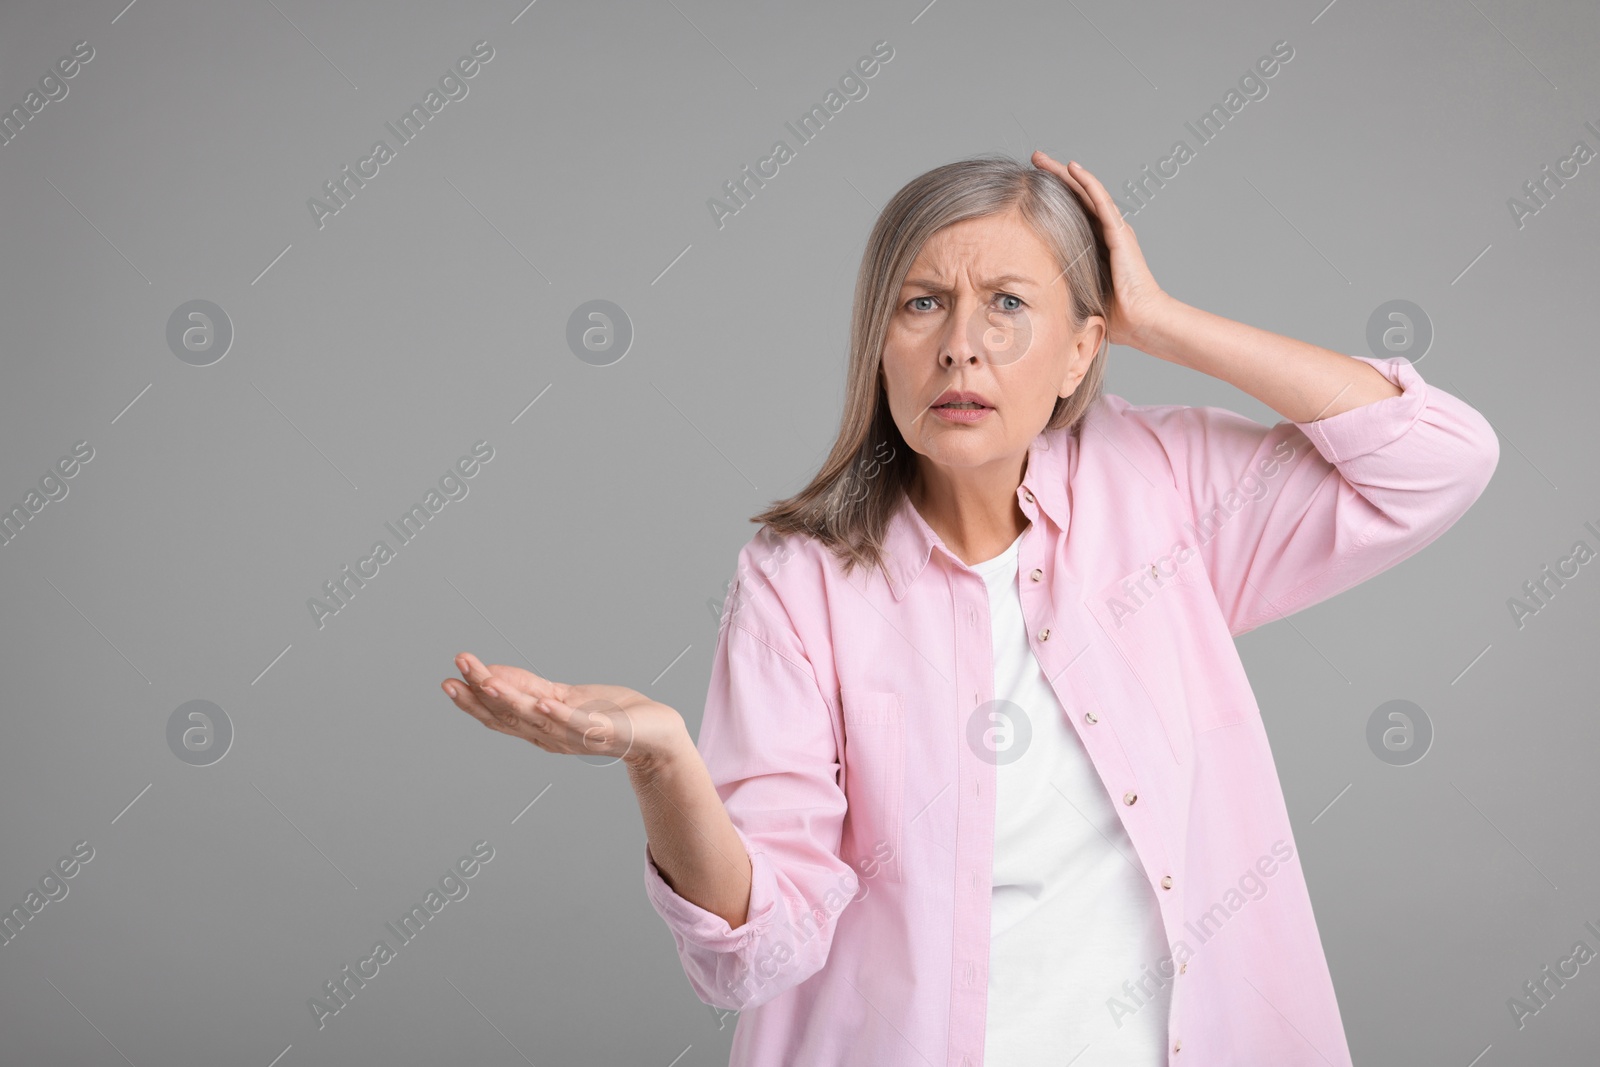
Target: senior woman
[(980, 778)]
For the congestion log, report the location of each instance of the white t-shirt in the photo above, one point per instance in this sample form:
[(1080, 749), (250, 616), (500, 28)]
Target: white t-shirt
[(1073, 915)]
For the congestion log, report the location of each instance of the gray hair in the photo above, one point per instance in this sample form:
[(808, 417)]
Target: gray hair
[(854, 494)]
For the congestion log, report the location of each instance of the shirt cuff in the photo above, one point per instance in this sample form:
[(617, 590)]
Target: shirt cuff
[(1368, 428), (707, 929)]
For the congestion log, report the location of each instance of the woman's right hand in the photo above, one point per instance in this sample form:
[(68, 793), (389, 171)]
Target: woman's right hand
[(586, 720)]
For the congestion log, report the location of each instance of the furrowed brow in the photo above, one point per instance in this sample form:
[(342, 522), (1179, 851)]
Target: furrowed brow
[(991, 283)]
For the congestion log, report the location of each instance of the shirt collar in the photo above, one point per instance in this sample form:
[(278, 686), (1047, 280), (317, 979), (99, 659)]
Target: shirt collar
[(909, 541)]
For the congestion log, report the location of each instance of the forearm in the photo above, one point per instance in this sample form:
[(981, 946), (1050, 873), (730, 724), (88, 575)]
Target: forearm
[(692, 840), (1303, 382)]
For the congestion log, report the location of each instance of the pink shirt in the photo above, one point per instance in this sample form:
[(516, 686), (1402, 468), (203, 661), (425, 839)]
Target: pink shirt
[(839, 730)]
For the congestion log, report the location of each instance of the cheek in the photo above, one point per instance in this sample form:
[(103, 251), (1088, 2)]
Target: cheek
[(898, 357)]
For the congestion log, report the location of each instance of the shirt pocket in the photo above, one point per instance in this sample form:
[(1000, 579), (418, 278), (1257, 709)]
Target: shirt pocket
[(1169, 629), (874, 782)]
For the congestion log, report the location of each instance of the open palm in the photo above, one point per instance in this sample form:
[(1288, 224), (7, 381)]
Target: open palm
[(582, 719)]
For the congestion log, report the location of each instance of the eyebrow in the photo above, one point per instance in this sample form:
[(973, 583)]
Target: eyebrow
[(1004, 279)]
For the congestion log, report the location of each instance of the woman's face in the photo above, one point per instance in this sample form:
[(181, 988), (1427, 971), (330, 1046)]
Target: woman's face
[(984, 310)]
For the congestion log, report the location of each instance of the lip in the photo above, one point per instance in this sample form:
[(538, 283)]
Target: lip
[(961, 414), (955, 396)]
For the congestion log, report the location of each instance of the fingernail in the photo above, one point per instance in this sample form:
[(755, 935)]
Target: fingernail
[(489, 691)]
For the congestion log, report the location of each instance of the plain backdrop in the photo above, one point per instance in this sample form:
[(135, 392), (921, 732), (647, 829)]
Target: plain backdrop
[(372, 349)]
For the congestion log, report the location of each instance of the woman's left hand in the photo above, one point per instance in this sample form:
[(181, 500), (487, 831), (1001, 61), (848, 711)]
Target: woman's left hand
[(1136, 301)]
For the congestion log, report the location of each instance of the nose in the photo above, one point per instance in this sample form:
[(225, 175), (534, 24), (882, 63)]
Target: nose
[(956, 344)]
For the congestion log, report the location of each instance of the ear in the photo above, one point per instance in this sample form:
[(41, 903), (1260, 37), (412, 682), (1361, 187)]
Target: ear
[(1084, 348)]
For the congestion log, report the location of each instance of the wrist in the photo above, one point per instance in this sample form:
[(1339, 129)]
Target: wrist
[(662, 755), (1160, 327)]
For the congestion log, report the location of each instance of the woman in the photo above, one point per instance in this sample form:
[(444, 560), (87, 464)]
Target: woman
[(981, 779)]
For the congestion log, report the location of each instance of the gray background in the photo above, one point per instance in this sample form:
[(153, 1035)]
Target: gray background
[(432, 311)]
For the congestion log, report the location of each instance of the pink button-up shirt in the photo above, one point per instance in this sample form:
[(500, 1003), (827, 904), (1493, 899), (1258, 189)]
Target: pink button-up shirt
[(844, 730)]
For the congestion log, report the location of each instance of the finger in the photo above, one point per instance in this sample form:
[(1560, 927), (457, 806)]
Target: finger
[(467, 701), (1084, 197), (1101, 199), (588, 730), (1061, 171), (473, 670), (562, 719), (555, 710), (1044, 162), (506, 703)]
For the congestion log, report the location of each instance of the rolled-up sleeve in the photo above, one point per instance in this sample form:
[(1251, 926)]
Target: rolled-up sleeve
[(767, 738), (1289, 515)]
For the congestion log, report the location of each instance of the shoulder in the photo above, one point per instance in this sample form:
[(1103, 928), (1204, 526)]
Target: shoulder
[(1116, 412), (1120, 431), (1165, 431), (781, 557), (779, 587)]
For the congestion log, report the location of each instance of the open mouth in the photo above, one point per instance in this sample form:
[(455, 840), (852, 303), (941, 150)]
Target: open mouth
[(963, 411)]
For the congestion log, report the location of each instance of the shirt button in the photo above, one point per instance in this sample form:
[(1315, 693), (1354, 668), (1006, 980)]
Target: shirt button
[(1183, 967), (1090, 717), (1037, 574), (1028, 494), (1177, 1046), (1166, 881), (1044, 635), (1129, 798)]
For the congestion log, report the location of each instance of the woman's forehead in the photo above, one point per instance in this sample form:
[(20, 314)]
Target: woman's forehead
[(990, 247)]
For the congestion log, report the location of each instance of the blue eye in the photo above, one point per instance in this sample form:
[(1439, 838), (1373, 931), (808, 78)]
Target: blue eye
[(912, 303)]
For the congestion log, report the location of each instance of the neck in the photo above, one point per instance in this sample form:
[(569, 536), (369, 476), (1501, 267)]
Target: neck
[(974, 510)]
